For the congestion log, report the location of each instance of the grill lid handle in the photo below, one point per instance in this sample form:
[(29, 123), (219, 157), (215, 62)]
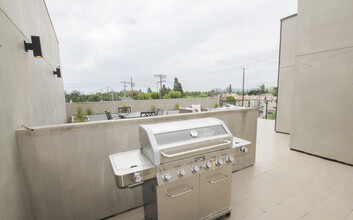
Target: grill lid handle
[(194, 150)]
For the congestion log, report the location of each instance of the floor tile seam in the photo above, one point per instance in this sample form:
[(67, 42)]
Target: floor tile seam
[(293, 213), (318, 197), (268, 172), (351, 212), (274, 204), (263, 211), (311, 208), (256, 205), (327, 213), (277, 187)]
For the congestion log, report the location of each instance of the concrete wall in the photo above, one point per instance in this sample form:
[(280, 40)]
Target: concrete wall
[(67, 168), (139, 105), (286, 73), (30, 94), (322, 121)]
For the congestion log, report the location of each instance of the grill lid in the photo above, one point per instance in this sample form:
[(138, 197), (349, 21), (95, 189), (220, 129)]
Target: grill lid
[(165, 142)]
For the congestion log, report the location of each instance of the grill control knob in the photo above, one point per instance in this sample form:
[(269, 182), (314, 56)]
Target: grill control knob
[(244, 149), (195, 168), (219, 162), (229, 159), (181, 172), (166, 177), (136, 177), (207, 165)]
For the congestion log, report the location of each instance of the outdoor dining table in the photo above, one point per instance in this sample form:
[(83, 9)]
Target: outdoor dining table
[(130, 115)]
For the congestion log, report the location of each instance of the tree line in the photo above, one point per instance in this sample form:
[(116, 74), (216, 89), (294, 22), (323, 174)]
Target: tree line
[(168, 93)]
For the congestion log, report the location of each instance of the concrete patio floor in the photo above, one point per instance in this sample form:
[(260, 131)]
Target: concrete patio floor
[(285, 184)]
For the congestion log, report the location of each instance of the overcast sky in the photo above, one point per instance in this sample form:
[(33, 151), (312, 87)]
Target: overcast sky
[(202, 42)]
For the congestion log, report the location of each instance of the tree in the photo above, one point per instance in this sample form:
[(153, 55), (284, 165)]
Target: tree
[(230, 88), (149, 90), (274, 91), (174, 94), (253, 92), (155, 95), (177, 86), (262, 89), (166, 90)]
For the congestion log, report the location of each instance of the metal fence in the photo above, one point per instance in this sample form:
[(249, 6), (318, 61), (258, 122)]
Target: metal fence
[(267, 108)]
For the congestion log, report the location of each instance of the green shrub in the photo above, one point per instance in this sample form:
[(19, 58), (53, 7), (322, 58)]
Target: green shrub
[(216, 105), (79, 117), (230, 97), (152, 108), (155, 95), (271, 116), (174, 94), (203, 95), (176, 106), (89, 111)]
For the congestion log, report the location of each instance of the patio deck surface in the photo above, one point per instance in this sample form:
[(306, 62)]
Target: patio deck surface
[(285, 184)]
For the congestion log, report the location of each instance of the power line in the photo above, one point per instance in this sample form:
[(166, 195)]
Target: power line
[(125, 86), (161, 80)]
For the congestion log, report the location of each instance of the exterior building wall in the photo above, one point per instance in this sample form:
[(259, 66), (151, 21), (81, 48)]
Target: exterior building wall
[(30, 94), (139, 105), (68, 171), (321, 118), (286, 74)]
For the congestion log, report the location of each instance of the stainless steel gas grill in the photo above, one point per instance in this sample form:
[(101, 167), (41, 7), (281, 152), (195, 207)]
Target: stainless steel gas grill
[(185, 168)]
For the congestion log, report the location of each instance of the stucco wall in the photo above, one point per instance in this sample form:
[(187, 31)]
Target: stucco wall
[(67, 168), (139, 105), (30, 94), (286, 74), (322, 121)]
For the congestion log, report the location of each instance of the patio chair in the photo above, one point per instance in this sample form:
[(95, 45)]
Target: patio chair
[(147, 114), (109, 115), (159, 111)]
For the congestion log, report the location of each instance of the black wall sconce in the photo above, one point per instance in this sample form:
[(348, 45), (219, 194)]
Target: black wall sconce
[(57, 72), (35, 46)]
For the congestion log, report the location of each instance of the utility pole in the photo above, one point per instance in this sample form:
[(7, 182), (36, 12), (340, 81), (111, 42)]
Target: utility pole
[(242, 94), (161, 77), (124, 82), (132, 88)]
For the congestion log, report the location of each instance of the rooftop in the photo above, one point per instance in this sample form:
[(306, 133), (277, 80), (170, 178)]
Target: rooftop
[(285, 184)]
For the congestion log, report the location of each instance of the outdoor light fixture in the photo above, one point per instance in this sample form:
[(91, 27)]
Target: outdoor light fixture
[(57, 72), (35, 46)]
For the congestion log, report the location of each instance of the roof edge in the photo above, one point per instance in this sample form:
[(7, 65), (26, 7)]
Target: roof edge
[(45, 4), (290, 16)]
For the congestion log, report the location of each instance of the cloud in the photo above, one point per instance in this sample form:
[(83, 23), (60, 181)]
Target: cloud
[(203, 43)]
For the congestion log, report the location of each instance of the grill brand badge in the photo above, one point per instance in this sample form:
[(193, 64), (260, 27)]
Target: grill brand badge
[(194, 133)]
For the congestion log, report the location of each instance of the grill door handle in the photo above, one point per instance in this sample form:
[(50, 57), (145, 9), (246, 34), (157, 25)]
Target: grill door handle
[(195, 150), (225, 176), (190, 188)]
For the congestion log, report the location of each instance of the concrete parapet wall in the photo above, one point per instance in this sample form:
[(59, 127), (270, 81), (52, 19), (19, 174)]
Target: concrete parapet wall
[(68, 173), (139, 105)]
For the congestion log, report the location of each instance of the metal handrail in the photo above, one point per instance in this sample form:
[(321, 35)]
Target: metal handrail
[(225, 176), (179, 194), (194, 150)]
